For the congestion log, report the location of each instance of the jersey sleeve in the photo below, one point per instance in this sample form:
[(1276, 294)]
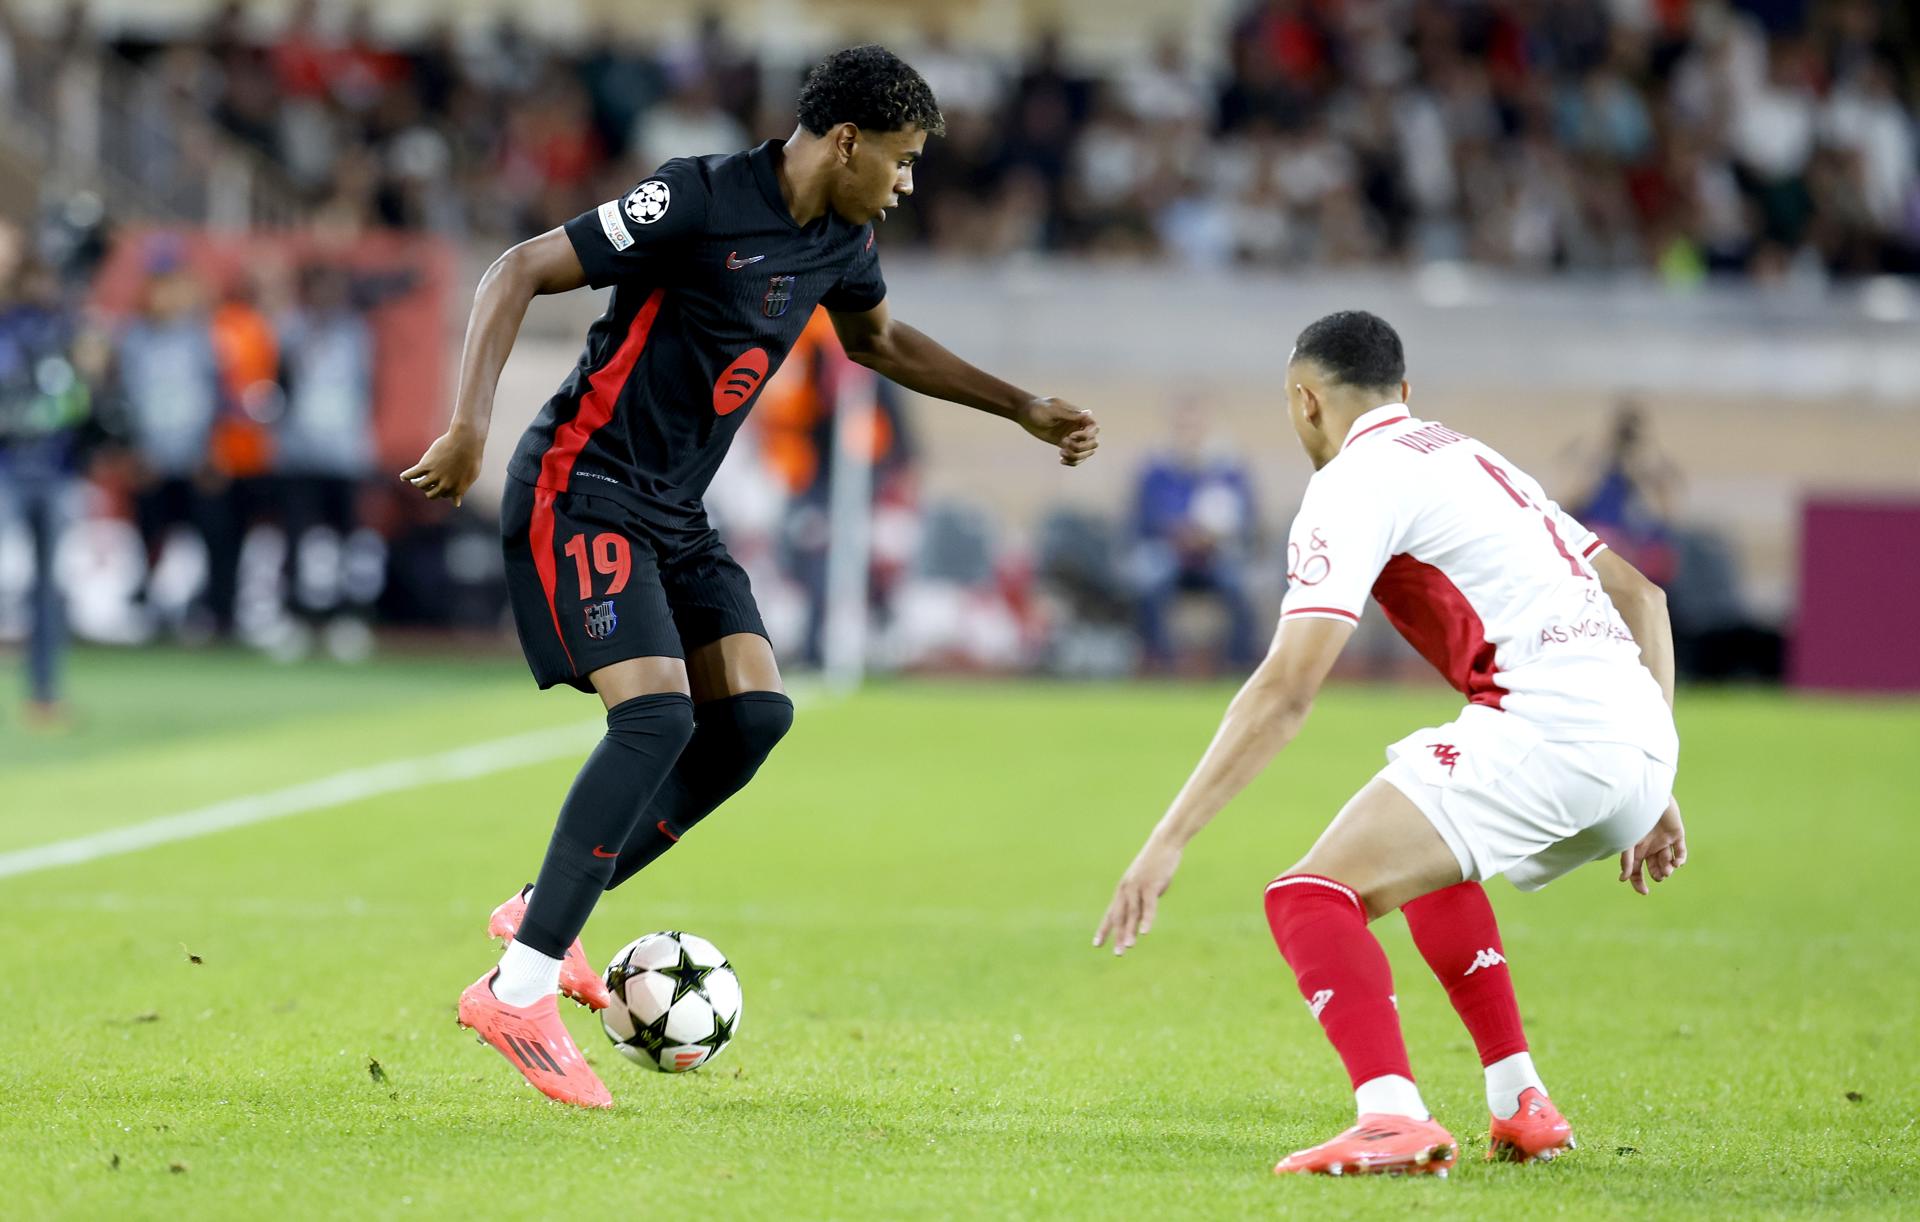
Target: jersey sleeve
[(862, 287), (1341, 539), (649, 225), (1579, 540)]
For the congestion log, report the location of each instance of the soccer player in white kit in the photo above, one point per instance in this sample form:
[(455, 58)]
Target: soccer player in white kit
[(1564, 754)]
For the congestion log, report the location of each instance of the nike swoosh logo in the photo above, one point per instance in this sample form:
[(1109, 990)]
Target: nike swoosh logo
[(735, 262), (598, 853)]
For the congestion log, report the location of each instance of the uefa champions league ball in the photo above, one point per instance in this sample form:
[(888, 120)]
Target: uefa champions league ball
[(676, 1001)]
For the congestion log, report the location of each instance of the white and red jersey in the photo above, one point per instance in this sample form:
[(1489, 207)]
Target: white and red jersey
[(1481, 572)]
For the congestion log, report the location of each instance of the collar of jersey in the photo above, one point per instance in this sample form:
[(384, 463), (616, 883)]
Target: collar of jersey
[(768, 179), (1379, 417)]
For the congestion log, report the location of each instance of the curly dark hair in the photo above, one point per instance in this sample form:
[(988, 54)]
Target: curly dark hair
[(1356, 348), (871, 88)]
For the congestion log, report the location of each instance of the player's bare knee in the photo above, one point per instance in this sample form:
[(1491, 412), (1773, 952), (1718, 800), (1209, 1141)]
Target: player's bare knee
[(1336, 869), (650, 676)]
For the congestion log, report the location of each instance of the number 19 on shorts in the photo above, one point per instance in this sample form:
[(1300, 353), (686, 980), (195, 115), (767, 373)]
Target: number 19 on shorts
[(606, 554)]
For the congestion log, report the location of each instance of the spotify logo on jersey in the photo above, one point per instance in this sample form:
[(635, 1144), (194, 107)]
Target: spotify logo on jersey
[(738, 381)]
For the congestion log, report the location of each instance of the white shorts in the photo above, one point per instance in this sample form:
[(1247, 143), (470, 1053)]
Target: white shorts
[(1508, 801)]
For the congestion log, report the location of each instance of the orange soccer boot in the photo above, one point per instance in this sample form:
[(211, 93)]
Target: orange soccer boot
[(1537, 1131), (1379, 1144), (578, 980), (535, 1042)]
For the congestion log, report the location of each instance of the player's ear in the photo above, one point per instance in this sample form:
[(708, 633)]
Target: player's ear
[(846, 138), (1309, 404), (1406, 391)]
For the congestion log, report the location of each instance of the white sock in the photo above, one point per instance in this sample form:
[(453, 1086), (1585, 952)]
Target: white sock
[(526, 975), (1506, 1078), (1392, 1094)]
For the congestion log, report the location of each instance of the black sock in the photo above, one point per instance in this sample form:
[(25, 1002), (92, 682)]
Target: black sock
[(731, 739), (645, 736)]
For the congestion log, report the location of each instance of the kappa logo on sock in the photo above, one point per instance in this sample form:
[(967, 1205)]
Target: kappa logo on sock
[(1319, 1003), (1485, 958)]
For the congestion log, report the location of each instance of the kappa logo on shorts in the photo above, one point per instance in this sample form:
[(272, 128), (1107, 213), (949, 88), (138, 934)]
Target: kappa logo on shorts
[(601, 620), (1445, 753)]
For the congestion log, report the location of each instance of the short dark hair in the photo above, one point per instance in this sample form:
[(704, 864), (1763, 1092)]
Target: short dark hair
[(1355, 348), (871, 88)]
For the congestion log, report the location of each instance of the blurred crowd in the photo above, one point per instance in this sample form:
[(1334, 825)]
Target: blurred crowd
[(201, 464), (209, 445), (1688, 137), (200, 459)]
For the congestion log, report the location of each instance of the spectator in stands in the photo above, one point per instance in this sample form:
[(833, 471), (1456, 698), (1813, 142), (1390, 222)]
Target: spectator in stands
[(326, 453), (45, 411), (169, 376), (689, 123), (1194, 519), (1631, 494), (796, 427)]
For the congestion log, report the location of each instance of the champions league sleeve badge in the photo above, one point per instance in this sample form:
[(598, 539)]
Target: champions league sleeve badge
[(648, 202)]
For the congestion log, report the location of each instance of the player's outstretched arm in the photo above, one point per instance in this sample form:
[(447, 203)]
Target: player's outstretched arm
[(902, 354), (546, 264), (1643, 605), (1264, 717)]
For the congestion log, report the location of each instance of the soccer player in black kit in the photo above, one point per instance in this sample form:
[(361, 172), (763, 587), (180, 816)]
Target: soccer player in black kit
[(618, 584)]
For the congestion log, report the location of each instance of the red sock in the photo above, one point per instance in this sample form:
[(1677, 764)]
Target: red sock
[(1457, 935), (1321, 929)]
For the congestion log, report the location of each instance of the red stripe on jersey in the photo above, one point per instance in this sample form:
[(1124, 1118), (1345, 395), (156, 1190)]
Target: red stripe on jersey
[(540, 539), (1340, 611), (1436, 618), (1371, 427), (596, 406), (1588, 551)]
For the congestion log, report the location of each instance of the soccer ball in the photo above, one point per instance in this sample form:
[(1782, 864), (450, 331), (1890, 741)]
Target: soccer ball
[(676, 1001)]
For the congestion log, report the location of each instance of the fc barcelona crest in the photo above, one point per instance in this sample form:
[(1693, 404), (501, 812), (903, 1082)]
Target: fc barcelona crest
[(601, 620), (779, 296)]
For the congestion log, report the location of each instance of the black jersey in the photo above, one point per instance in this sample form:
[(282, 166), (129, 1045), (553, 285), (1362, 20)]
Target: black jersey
[(712, 284)]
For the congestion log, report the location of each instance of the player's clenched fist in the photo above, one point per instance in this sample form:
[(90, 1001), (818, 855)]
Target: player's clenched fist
[(448, 468), (1060, 423)]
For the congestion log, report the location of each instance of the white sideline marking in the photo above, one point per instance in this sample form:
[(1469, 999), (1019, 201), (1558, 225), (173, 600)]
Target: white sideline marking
[(460, 764)]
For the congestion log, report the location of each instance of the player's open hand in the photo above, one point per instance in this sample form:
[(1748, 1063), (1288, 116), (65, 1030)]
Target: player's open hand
[(1058, 422), (1138, 896), (1659, 853), (449, 466)]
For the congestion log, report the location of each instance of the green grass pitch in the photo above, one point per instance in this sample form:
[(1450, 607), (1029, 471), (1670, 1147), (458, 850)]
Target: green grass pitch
[(908, 893)]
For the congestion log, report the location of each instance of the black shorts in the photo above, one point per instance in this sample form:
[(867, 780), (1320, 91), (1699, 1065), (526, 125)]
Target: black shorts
[(591, 584)]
